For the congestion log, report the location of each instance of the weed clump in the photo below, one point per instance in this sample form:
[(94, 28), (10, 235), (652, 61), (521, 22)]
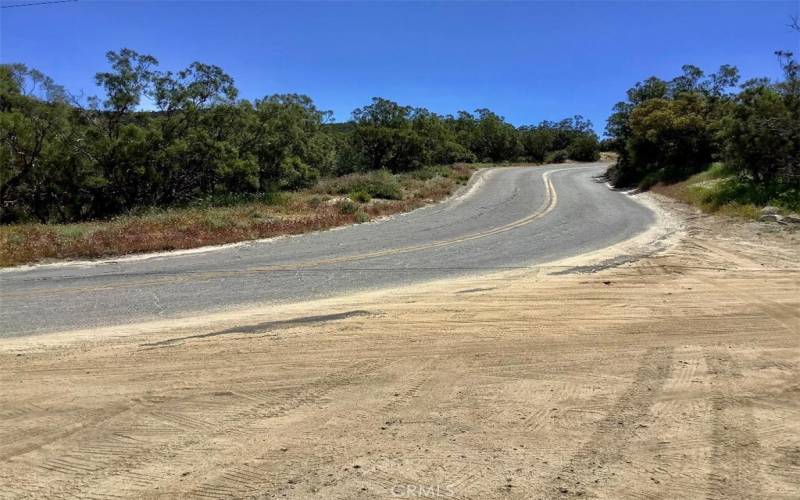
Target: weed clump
[(360, 196), (347, 207), (377, 184), (361, 216)]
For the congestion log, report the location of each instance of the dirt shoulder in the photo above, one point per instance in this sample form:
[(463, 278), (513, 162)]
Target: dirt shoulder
[(668, 366)]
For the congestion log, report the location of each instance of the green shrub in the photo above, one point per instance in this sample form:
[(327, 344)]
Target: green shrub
[(347, 207), (717, 170), (360, 196), (649, 180), (718, 190), (761, 135), (746, 192), (584, 148), (377, 184), (296, 174), (559, 156), (361, 216)]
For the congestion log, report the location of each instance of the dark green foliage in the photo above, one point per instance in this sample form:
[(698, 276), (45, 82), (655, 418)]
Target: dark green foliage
[(761, 133), (493, 139), (375, 184), (63, 162), (66, 163), (559, 156), (670, 136), (584, 148), (669, 130), (573, 135)]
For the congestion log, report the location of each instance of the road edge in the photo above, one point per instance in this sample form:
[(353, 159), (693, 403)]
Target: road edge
[(463, 191)]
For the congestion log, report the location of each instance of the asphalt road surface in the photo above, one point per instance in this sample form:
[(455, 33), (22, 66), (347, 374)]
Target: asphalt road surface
[(509, 217)]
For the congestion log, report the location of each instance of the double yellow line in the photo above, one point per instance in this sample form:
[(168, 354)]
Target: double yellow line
[(549, 203)]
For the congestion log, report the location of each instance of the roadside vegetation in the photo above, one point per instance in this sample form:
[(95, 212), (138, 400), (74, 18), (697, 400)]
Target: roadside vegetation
[(330, 202), (160, 139), (167, 160), (720, 189), (711, 141)]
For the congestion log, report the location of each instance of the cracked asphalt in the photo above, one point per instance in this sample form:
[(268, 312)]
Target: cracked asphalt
[(512, 217)]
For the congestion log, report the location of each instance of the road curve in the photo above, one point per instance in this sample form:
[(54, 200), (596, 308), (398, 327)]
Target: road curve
[(512, 217)]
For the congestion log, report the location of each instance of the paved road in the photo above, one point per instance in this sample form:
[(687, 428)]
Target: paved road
[(510, 217)]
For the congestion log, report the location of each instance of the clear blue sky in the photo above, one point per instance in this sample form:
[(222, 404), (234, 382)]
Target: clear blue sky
[(526, 61)]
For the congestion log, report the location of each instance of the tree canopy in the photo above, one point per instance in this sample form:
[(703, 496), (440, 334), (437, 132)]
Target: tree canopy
[(668, 130), (160, 138)]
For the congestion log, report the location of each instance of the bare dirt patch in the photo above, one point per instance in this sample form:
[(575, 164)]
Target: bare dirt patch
[(672, 374)]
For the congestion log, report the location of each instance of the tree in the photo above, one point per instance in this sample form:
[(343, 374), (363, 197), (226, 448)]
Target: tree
[(494, 139), (164, 138), (439, 141), (384, 137), (536, 141), (584, 148), (761, 133), (36, 140), (669, 130), (288, 134), (131, 79), (689, 81)]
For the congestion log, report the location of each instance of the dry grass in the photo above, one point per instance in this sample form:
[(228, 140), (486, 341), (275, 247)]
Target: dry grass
[(183, 228), (675, 376), (609, 156)]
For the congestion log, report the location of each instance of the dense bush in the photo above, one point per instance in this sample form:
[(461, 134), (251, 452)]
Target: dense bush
[(61, 160), (761, 136), (669, 130), (559, 156), (573, 135), (584, 148), (376, 184)]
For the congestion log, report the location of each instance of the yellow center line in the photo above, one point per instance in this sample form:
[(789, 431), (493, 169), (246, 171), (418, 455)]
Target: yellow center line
[(549, 203)]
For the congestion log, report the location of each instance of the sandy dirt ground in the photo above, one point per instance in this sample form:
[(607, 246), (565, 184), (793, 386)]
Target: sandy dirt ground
[(668, 369)]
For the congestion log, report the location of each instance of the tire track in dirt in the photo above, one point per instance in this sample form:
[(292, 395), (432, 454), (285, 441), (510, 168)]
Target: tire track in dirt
[(252, 472), (782, 314), (472, 380), (278, 473), (585, 472), (409, 388), (785, 315), (432, 480), (736, 449), (77, 472), (569, 406), (428, 403), (668, 456), (266, 476), (21, 439)]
